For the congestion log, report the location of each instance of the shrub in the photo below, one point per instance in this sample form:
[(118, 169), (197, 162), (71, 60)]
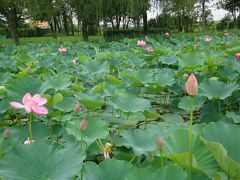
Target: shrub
[(25, 32), (121, 33)]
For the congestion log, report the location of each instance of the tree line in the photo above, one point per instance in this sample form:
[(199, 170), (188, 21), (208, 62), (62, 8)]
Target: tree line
[(182, 15)]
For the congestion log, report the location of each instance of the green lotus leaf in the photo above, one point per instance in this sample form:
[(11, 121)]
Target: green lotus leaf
[(107, 170), (185, 103), (96, 129), (165, 77), (95, 67), (17, 88), (151, 115), (176, 149), (170, 59), (90, 100), (225, 134), (138, 77), (66, 105), (129, 103), (39, 161), (235, 117), (191, 60), (168, 172), (58, 82), (141, 141), (4, 77), (216, 89)]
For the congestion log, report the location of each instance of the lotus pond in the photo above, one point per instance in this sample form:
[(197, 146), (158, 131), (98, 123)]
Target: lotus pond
[(121, 110)]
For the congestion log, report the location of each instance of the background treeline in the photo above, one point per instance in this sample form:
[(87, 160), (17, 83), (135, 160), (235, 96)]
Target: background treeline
[(113, 17)]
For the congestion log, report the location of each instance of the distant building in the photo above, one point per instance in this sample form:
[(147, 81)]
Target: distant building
[(42, 24)]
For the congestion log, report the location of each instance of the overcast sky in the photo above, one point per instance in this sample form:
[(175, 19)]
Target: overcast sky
[(218, 14)]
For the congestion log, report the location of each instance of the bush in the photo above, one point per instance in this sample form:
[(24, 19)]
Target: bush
[(25, 32), (122, 33), (238, 21), (231, 25), (3, 32)]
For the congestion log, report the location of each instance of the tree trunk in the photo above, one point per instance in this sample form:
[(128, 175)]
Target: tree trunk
[(72, 25), (118, 21), (85, 30), (65, 23), (12, 21), (203, 16), (145, 25), (52, 29)]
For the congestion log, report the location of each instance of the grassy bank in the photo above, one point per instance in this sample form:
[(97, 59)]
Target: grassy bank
[(27, 40)]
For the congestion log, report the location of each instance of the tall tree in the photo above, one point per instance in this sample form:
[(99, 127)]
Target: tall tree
[(89, 12), (11, 10), (233, 6)]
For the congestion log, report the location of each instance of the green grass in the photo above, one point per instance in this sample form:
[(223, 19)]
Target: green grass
[(27, 40)]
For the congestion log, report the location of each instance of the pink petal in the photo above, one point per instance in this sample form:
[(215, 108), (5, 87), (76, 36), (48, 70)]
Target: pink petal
[(26, 98), (40, 110), (36, 97), (17, 105), (42, 101), (39, 100), (28, 109)]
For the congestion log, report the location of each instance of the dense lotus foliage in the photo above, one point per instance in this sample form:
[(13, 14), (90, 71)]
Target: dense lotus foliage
[(121, 110)]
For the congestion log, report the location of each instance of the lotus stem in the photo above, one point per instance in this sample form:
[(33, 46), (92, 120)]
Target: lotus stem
[(81, 139), (219, 107), (213, 107), (75, 124), (30, 127), (132, 158), (161, 158), (1, 148), (190, 138)]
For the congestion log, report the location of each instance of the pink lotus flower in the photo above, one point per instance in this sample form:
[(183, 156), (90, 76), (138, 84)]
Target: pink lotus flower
[(28, 141), (191, 85), (149, 49), (159, 142), (62, 49), (237, 56), (141, 43), (226, 33), (207, 38), (32, 104), (74, 61)]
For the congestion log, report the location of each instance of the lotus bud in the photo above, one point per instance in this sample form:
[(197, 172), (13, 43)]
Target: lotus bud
[(6, 133), (159, 143), (237, 56), (77, 108), (83, 125), (191, 85)]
